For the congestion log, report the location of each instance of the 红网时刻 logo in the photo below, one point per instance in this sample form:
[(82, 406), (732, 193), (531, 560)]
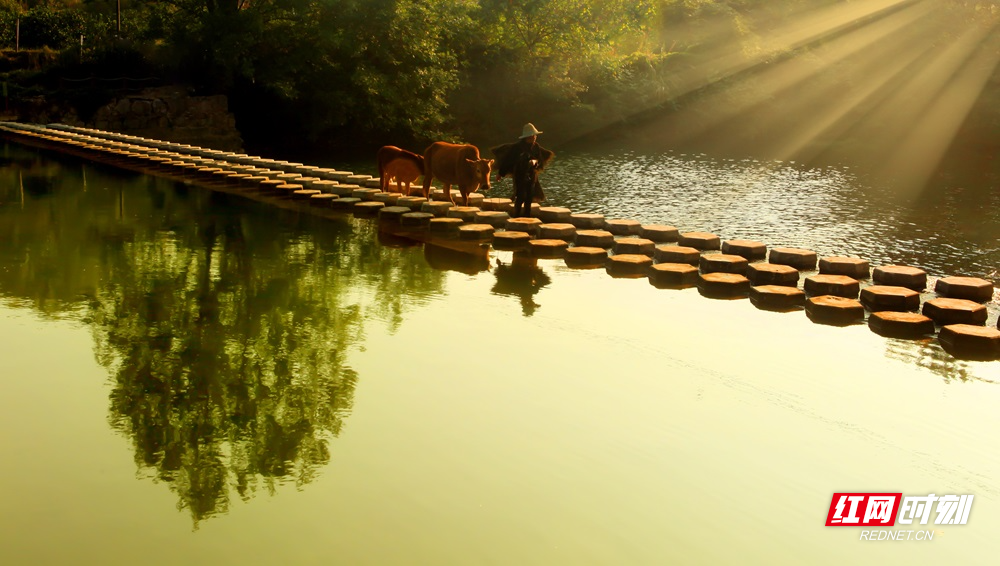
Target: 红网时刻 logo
[(888, 509)]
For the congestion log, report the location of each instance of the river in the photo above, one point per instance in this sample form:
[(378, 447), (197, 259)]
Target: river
[(195, 377)]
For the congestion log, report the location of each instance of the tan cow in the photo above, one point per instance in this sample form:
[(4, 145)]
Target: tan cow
[(456, 164), (400, 165)]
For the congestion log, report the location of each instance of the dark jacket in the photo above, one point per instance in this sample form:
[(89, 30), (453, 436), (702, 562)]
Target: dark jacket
[(513, 159)]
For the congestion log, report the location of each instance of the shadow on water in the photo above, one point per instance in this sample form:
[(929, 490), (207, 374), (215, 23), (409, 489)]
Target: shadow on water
[(521, 278), (225, 330)]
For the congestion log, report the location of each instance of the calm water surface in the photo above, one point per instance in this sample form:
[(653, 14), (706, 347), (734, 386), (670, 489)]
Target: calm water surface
[(190, 377)]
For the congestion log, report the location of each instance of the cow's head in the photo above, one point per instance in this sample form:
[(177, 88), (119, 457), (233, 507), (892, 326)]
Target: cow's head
[(481, 171)]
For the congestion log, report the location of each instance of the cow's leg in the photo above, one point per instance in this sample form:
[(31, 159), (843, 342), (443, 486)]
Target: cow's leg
[(427, 182), (447, 193)]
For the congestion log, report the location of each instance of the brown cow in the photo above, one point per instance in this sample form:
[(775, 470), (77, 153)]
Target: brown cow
[(399, 164), (456, 164)]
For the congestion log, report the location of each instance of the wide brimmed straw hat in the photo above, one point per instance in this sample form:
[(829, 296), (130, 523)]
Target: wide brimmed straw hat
[(529, 130)]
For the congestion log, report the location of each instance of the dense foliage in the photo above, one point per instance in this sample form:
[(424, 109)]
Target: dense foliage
[(306, 72)]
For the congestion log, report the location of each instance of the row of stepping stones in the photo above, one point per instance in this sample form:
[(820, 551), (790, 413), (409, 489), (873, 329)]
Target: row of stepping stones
[(669, 258)]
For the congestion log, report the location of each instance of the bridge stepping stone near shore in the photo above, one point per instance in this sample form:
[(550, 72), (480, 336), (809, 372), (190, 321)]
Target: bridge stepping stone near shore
[(673, 275), (586, 256), (777, 297), (893, 324), (659, 233), (700, 240), (900, 275), (836, 295), (969, 288), (595, 238), (748, 249), (723, 263), (849, 266)]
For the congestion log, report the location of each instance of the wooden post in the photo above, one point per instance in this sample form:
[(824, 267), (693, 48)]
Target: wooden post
[(17, 35)]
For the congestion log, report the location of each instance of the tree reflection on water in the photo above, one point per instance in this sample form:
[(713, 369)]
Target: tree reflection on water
[(226, 333)]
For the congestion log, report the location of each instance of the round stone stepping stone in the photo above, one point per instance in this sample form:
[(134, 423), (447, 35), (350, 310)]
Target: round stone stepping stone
[(700, 240), (326, 185), (413, 203), (673, 275), (839, 285), (388, 198), (475, 199), (438, 195), (494, 218), (833, 310), (528, 225), (343, 190), (445, 226), (345, 203), (893, 324), (587, 221), (586, 256), (307, 182), (368, 208), (878, 298), (364, 194), (799, 259), (676, 254), (463, 213), (475, 232), (511, 240), (723, 263), (557, 231), (659, 233), (955, 311), (416, 219), (554, 214), (772, 274), (969, 288), (392, 213), (623, 227), (777, 297), (509, 209), (901, 275), (849, 266), (495, 204), (628, 265), (595, 238), (970, 342), (287, 177), (253, 181), (635, 246), (306, 193), (322, 199), (437, 208), (359, 178), (748, 249), (723, 285), (372, 183), (548, 248)]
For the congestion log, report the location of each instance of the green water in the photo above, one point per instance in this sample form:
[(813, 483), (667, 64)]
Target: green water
[(189, 377)]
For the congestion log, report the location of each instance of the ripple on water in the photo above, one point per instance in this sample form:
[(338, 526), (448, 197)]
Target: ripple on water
[(828, 209)]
